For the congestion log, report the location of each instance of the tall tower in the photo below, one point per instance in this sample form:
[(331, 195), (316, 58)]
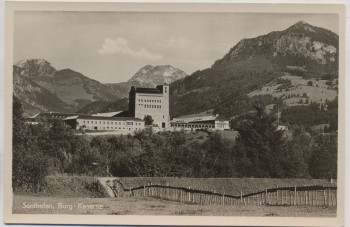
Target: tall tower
[(151, 101), (165, 106)]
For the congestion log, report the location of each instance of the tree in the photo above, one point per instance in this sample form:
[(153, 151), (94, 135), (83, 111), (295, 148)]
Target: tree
[(323, 160), (260, 145), (29, 164), (148, 120)]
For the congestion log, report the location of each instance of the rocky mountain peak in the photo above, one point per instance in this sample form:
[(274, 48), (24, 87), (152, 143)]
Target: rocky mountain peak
[(316, 46), (150, 76), (33, 68), (302, 26)]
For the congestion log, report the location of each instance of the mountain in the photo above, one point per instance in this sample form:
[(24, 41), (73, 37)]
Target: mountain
[(64, 89), (34, 68), (258, 63), (302, 49), (302, 44), (35, 98), (149, 76)]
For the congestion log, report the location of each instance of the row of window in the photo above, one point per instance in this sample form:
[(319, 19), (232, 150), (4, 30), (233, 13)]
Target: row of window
[(58, 116), (105, 128), (150, 100), (192, 126), (111, 122), (151, 106)]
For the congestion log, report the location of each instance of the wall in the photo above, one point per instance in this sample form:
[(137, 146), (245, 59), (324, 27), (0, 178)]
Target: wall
[(155, 105)]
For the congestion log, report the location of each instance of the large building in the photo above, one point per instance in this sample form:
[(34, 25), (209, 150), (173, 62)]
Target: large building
[(151, 101), (123, 124), (95, 122), (205, 120)]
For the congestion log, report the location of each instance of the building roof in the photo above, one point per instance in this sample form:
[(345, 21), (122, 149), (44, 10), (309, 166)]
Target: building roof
[(89, 117), (203, 116), (48, 115), (156, 90), (192, 123), (108, 114), (148, 90)]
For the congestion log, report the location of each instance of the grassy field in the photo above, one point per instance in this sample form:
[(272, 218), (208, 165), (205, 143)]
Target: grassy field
[(74, 195), (318, 93), (152, 206), (69, 186), (232, 186)]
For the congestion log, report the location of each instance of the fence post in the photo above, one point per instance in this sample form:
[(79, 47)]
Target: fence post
[(324, 197), (295, 195), (332, 199), (329, 197), (281, 197), (241, 197), (117, 190), (180, 196)]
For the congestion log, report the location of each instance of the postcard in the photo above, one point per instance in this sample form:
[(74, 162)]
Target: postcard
[(174, 113)]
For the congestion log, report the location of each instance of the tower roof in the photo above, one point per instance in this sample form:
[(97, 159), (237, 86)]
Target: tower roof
[(156, 90)]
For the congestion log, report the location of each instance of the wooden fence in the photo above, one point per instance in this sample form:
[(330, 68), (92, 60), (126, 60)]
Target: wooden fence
[(314, 195)]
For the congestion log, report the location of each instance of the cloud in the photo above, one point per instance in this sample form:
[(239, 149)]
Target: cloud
[(121, 46), (176, 42)]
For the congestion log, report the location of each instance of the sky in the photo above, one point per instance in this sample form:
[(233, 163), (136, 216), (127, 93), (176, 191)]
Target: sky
[(111, 47)]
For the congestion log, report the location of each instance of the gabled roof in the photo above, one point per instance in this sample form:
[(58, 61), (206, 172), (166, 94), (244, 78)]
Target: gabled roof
[(108, 114), (89, 117)]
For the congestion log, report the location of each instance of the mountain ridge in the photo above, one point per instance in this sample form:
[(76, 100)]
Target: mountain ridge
[(301, 49), (65, 89), (149, 76)]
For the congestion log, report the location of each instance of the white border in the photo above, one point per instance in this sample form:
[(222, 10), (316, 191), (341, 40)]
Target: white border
[(347, 84)]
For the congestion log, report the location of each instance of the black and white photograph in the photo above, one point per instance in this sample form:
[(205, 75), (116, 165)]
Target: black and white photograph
[(178, 112)]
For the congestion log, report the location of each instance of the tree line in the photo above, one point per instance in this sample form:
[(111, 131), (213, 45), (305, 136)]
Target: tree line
[(259, 151)]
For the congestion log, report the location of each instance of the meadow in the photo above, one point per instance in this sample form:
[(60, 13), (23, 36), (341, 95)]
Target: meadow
[(66, 194), (154, 206), (319, 92)]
